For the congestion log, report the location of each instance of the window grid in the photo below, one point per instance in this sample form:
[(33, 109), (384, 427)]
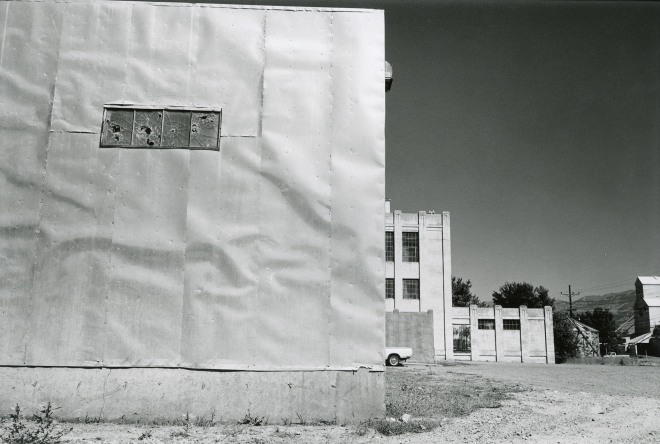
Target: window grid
[(511, 324), (389, 246), (462, 340), (149, 127), (486, 324), (389, 288), (411, 289), (410, 246)]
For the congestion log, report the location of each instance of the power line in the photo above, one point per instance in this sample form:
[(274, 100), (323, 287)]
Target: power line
[(621, 281), (570, 295)]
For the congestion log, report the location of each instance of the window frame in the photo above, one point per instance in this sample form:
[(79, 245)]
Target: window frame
[(410, 246), (389, 246), (215, 135), (485, 324), (406, 287), (389, 284), (511, 324), (460, 338)]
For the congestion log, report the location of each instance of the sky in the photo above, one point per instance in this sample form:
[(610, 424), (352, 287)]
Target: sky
[(536, 124)]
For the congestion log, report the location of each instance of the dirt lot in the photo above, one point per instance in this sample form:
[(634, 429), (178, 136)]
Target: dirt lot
[(466, 403)]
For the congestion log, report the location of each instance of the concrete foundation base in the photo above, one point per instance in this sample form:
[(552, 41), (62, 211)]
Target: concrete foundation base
[(158, 394)]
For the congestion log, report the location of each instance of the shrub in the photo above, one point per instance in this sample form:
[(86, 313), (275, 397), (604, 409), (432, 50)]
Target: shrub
[(42, 430)]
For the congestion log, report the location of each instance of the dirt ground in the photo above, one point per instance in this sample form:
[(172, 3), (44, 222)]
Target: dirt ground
[(540, 404)]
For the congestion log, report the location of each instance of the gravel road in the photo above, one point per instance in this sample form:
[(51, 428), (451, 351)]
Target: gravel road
[(558, 404)]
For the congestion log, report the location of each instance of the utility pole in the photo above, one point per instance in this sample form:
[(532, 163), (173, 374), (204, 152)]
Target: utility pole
[(570, 295)]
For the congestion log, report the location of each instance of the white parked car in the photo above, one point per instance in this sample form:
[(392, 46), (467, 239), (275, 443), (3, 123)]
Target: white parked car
[(395, 355)]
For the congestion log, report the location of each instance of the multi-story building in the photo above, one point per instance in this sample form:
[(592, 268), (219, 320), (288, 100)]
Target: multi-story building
[(418, 302), (647, 304), (647, 316), (418, 271)]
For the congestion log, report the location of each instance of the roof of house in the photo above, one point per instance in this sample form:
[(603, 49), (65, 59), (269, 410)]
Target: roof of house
[(641, 339), (584, 326), (650, 290)]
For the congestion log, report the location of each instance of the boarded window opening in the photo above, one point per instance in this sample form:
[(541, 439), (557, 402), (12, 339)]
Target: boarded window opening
[(148, 127)]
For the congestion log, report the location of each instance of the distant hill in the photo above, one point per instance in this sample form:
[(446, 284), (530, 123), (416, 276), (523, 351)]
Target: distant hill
[(621, 304)]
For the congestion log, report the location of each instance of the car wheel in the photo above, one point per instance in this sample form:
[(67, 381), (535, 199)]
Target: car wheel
[(393, 360)]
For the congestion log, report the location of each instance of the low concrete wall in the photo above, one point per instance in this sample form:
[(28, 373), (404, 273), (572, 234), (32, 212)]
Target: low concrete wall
[(414, 330), (144, 394)]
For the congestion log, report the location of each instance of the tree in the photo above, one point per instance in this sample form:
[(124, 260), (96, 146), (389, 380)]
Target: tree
[(515, 294), (602, 319), (566, 338), (461, 293)]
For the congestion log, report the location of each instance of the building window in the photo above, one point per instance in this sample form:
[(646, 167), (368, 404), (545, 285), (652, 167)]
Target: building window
[(389, 246), (389, 288), (148, 127), (462, 339), (511, 324), (486, 324), (411, 289), (410, 244)]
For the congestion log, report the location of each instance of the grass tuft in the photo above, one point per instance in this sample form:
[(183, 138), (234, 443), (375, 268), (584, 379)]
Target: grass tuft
[(40, 429), (254, 420)]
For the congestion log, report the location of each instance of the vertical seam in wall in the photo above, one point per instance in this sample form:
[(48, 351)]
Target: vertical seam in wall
[(106, 332), (263, 74), (257, 248), (189, 153), (128, 51), (105, 381), (190, 38), (43, 190), (4, 33), (331, 133)]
